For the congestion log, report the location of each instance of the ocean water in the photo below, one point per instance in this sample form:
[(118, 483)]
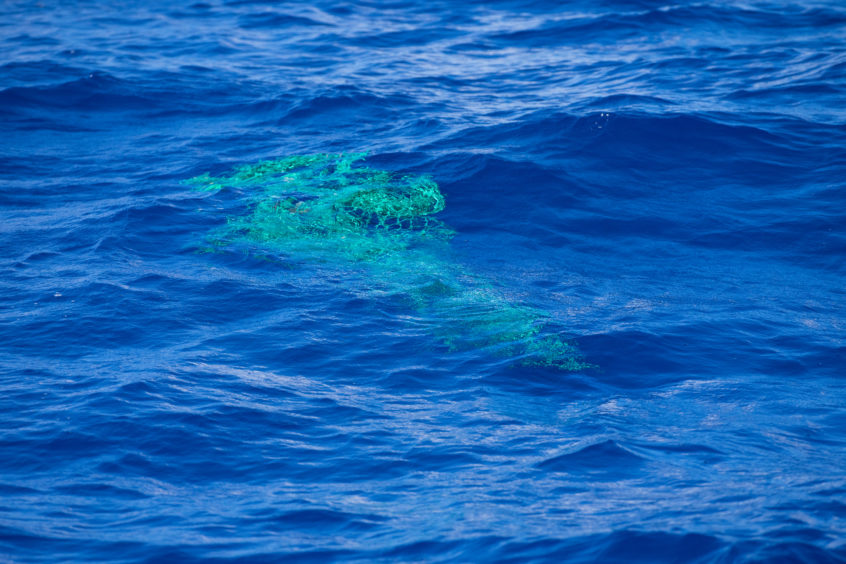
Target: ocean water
[(658, 187)]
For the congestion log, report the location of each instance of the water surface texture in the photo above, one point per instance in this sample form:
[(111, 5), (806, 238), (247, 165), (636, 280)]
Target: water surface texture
[(655, 189)]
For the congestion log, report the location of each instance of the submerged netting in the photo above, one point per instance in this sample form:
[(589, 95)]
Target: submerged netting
[(325, 208), (321, 204)]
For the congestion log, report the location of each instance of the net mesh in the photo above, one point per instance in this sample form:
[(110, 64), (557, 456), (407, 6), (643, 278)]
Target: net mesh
[(329, 208)]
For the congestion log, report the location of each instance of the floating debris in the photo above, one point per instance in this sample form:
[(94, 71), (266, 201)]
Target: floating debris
[(322, 208)]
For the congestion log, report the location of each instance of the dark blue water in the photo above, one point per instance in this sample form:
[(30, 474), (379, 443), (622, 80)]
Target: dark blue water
[(664, 181)]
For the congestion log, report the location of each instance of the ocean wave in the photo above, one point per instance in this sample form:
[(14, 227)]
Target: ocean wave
[(659, 185)]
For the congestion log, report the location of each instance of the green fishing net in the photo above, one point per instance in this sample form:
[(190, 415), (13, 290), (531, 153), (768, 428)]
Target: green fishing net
[(328, 208)]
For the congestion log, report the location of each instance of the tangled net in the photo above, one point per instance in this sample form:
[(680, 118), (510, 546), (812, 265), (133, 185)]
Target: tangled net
[(302, 205), (322, 207)]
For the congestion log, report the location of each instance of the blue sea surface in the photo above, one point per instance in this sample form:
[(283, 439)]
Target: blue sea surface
[(666, 182)]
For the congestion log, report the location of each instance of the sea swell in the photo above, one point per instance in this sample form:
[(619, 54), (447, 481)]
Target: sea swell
[(663, 183)]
